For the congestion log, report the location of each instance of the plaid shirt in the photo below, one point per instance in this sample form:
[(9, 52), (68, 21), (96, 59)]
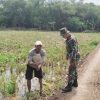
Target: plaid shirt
[(32, 53)]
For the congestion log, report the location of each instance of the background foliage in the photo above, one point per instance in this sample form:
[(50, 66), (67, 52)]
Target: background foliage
[(49, 14)]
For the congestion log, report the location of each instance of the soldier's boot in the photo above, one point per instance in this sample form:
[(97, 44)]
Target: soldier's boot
[(68, 88), (75, 84)]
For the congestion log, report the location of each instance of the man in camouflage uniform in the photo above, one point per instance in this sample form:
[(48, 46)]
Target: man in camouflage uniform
[(73, 57)]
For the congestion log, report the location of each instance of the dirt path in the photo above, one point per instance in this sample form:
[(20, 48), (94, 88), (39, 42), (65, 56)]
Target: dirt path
[(89, 80)]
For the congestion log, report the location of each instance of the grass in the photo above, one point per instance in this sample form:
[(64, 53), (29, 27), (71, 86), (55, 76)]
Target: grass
[(15, 45), (87, 42)]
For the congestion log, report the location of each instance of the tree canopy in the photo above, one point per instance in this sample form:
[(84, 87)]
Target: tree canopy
[(50, 14)]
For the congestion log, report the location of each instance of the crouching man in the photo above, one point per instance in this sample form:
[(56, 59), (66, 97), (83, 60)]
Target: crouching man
[(35, 62)]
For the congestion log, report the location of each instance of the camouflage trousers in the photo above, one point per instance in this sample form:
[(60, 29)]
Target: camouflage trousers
[(72, 72)]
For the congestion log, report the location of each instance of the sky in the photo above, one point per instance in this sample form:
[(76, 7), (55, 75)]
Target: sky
[(97, 2)]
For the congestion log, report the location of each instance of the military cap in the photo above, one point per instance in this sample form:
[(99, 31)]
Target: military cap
[(64, 31)]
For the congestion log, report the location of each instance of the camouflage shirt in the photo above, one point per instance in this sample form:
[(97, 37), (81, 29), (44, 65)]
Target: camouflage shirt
[(71, 48)]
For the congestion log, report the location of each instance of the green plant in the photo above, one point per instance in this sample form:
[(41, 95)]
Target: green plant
[(10, 87)]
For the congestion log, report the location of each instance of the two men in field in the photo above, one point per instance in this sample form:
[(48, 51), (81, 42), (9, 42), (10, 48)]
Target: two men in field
[(72, 56), (35, 62), (36, 57)]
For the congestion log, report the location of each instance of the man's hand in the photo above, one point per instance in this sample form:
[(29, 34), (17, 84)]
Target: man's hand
[(32, 64), (67, 57), (37, 66)]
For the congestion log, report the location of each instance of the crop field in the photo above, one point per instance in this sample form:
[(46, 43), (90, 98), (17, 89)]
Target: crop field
[(15, 45)]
